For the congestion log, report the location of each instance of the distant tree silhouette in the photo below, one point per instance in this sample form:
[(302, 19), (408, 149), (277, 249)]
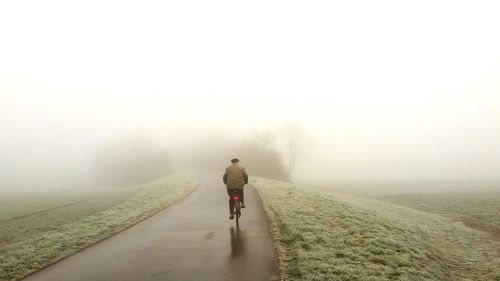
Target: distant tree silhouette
[(256, 152), (260, 158), (297, 140), (131, 161), (210, 151)]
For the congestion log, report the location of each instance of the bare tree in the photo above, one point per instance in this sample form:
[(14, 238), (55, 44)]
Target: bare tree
[(297, 140)]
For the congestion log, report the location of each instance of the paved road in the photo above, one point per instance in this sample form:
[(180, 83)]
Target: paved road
[(193, 241)]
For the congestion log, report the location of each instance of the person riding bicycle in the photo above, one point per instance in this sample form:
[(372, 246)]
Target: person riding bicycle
[(235, 179)]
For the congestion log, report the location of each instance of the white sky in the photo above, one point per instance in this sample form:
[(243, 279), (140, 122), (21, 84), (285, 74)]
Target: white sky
[(389, 89)]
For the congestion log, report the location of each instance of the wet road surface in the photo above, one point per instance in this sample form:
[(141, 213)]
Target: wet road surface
[(194, 240)]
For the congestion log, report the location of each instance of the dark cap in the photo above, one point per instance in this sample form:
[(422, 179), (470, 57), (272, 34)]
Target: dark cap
[(235, 160)]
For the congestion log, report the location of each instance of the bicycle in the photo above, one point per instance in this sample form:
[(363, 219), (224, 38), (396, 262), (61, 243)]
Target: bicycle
[(235, 196)]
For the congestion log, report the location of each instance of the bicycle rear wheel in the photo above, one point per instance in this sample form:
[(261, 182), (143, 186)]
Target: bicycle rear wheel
[(238, 213)]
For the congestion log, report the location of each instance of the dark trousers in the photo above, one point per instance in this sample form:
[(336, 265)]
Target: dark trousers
[(231, 203)]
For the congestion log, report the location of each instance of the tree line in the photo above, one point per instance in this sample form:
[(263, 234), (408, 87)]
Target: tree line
[(269, 154)]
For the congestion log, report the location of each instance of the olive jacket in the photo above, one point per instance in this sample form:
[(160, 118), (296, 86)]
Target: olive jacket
[(235, 177)]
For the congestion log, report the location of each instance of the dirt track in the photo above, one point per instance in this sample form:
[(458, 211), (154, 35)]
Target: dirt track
[(191, 241)]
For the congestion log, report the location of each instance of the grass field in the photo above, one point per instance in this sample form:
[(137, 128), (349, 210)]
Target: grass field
[(476, 210), (23, 214), (328, 236), (37, 229)]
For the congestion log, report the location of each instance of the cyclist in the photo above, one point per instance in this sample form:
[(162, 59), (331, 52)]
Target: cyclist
[(235, 178)]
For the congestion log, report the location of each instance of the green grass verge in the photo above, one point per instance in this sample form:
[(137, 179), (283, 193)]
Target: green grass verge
[(325, 236), (19, 257)]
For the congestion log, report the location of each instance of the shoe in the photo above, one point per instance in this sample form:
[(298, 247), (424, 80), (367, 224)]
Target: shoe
[(243, 205), (231, 216)]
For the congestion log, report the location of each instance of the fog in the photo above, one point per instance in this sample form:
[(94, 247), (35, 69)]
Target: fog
[(385, 91)]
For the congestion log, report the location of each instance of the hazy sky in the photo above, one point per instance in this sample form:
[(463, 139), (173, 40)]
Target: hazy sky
[(389, 89)]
